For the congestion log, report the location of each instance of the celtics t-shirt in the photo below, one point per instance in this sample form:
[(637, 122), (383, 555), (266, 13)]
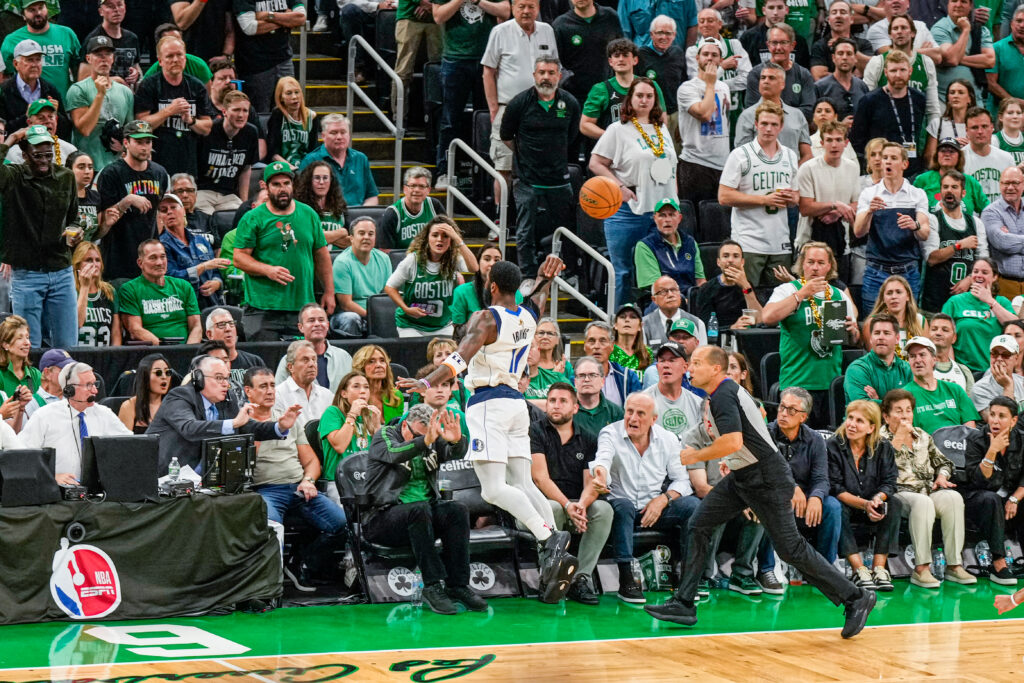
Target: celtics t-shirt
[(542, 381), (976, 324), (465, 34), (802, 366), (401, 226), (164, 309), (424, 288), (331, 222), (99, 317), (176, 145), (332, 420), (416, 489), (947, 405), (288, 241), (677, 416), (88, 216), (60, 53)]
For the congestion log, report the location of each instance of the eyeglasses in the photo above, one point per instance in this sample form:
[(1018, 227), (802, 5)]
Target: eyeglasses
[(790, 410), (778, 43), (224, 324), (545, 333), (90, 385), (662, 33), (1002, 356), (185, 190), (666, 291), (417, 186), (161, 373), (223, 379), (585, 376)]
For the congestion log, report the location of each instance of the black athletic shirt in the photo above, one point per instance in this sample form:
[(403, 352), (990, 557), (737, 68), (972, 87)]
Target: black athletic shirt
[(729, 409)]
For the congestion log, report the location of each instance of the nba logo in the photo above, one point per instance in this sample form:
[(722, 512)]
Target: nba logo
[(84, 581)]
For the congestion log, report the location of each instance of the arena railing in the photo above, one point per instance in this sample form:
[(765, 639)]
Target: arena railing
[(453, 192), (558, 283), (352, 89)]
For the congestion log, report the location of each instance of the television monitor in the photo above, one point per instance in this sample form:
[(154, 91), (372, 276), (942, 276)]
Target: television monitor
[(27, 477), (227, 462)]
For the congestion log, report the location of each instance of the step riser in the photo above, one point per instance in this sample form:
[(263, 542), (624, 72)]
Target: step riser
[(384, 148)]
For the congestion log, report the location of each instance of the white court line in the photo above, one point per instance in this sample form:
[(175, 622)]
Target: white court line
[(238, 668), (547, 642)]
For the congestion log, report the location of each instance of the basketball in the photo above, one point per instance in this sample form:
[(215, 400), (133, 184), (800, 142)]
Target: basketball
[(600, 197)]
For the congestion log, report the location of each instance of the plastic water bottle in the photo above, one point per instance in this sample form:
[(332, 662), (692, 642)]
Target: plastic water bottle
[(939, 563), (713, 329), (416, 600), (638, 574), (174, 469), (983, 554), (1009, 553)]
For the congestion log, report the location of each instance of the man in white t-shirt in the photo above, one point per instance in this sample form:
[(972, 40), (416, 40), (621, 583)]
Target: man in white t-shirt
[(704, 103), (829, 186), (981, 160), (678, 410), (757, 182)]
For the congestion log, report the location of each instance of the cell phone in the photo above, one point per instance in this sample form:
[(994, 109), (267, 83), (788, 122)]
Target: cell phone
[(885, 508)]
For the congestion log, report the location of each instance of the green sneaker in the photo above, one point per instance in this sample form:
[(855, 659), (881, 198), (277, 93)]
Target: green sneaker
[(744, 584)]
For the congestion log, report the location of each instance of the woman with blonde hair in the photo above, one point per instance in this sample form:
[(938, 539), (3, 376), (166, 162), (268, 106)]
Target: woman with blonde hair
[(293, 130), (98, 322), (897, 299), (862, 474), (423, 284), (347, 425), (374, 362), (15, 367)]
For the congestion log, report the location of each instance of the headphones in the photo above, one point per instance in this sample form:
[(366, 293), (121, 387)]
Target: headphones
[(67, 389), (197, 378)]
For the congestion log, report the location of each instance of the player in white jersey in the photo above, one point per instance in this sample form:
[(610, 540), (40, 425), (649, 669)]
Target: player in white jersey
[(494, 350)]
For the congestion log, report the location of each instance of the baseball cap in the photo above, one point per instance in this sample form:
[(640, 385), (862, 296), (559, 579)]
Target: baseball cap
[(673, 348), (138, 129), (277, 168), (55, 357), (28, 3), (1004, 341), (948, 142), (920, 341), (40, 105), (98, 43), (684, 325), (667, 201), (27, 47), (170, 196), (37, 135), (629, 307), (710, 41)]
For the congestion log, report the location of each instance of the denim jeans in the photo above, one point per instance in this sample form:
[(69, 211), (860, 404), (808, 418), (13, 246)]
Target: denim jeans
[(621, 234), (873, 279), (826, 535), (348, 324), (320, 511), (461, 80), (47, 300), (626, 521)]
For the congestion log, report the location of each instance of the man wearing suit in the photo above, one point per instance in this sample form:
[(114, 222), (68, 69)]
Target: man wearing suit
[(197, 411), (668, 299)]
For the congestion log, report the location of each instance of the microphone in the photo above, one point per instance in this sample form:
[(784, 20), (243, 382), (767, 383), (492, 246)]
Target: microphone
[(91, 399)]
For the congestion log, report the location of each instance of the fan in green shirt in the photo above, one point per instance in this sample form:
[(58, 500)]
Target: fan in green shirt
[(157, 305), (937, 403), (60, 46), (333, 430), (872, 375), (978, 316)]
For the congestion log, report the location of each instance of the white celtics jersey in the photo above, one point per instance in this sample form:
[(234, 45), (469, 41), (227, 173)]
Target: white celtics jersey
[(503, 362), (955, 374)]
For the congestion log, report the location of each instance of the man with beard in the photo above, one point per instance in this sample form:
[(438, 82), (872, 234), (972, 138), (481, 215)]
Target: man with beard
[(539, 125), (895, 112), (94, 101), (280, 245), (132, 185), (903, 33), (59, 43), (39, 200), (953, 243)]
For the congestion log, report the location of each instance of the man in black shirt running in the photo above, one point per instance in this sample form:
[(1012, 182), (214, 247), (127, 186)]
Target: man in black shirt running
[(758, 478)]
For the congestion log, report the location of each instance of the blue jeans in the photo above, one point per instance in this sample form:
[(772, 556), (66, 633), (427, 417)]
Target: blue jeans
[(873, 279), (461, 79), (348, 324), (621, 234), (320, 511), (626, 519), (826, 535), (47, 300)]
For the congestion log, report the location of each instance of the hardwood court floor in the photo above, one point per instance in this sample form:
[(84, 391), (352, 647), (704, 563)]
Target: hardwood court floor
[(948, 635)]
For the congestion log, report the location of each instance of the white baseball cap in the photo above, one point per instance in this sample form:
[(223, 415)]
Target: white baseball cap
[(920, 341), (1004, 341)]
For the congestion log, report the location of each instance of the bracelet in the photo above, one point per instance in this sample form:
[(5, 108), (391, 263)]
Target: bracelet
[(748, 290), (990, 463), (797, 299), (1015, 603), (956, 246), (425, 382)]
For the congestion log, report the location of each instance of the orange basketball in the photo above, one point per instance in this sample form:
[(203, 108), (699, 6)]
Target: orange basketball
[(600, 197)]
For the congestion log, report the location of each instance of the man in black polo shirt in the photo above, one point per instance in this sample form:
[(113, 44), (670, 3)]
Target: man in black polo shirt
[(561, 458), (728, 294), (759, 479), (665, 63), (539, 125), (581, 35), (263, 50)]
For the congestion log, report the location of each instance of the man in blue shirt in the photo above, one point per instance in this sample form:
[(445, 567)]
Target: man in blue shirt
[(350, 166), (189, 255), (636, 16)]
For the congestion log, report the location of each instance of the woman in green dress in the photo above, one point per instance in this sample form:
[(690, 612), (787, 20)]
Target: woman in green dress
[(347, 425), (630, 350), (978, 315), (15, 367), (318, 187), (374, 362)]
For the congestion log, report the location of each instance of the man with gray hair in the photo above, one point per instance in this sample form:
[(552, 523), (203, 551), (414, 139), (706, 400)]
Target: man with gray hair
[(404, 219), (596, 412), (350, 166), (63, 424), (184, 187), (360, 272), (540, 125), (664, 62), (799, 89), (619, 382), (301, 387), (220, 325)]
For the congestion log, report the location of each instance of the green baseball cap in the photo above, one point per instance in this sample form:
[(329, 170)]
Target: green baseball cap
[(37, 135), (667, 201), (138, 129), (277, 168), (29, 3), (684, 325), (40, 105)]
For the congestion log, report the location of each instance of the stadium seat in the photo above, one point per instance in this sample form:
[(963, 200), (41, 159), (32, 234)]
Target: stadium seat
[(124, 385), (756, 342), (952, 443), (770, 367), (714, 222), (689, 222), (380, 317), (114, 402), (222, 222), (396, 256), (374, 212), (709, 258), (850, 355), (399, 370), (836, 402), (236, 315), (311, 430)]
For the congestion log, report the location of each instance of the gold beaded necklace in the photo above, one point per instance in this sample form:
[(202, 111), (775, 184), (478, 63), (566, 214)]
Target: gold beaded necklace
[(659, 149), (815, 311), (56, 151)]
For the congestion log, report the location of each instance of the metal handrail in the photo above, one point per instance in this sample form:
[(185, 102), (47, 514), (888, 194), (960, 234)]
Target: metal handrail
[(303, 54), (558, 282), (395, 128), (453, 193)]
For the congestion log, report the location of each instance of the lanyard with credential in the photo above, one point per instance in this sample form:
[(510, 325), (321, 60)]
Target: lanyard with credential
[(903, 136)]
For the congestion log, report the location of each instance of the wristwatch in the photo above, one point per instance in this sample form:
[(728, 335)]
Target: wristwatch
[(311, 480), (1013, 499)]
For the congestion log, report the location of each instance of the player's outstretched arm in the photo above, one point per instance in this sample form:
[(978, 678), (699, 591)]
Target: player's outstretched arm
[(724, 445), (480, 330)]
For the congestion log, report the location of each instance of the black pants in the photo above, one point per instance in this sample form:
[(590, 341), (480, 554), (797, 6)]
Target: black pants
[(698, 182), (417, 525), (767, 488), (886, 530), (987, 509), (819, 417), (261, 325)]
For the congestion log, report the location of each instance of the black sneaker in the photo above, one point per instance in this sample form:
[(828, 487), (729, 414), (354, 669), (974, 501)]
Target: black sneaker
[(675, 611), (857, 613), (556, 567), (770, 583), (1004, 577), (437, 599), (744, 584), (582, 591), (470, 600), (631, 593)]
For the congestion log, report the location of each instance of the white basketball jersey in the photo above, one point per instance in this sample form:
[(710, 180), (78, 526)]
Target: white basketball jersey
[(503, 361)]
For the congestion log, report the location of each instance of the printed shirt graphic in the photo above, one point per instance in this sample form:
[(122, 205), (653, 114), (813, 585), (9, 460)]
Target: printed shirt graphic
[(164, 310)]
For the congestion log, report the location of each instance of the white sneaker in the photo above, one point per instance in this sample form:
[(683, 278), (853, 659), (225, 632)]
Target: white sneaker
[(442, 182), (321, 23)]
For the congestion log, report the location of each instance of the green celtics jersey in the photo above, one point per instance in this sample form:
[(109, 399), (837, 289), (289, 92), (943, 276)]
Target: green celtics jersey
[(1014, 148), (802, 366), (736, 97), (164, 309), (295, 138), (918, 76), (430, 293), (801, 14), (99, 316), (329, 222), (406, 226)]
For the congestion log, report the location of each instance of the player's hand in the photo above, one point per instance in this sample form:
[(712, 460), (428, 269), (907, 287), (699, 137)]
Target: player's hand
[(551, 267), (307, 489), (1003, 603), (280, 275), (812, 513), (410, 386), (244, 415), (799, 501), (652, 511)]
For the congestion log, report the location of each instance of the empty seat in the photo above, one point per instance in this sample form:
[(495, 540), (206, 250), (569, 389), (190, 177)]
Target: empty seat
[(713, 225), (380, 317)]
